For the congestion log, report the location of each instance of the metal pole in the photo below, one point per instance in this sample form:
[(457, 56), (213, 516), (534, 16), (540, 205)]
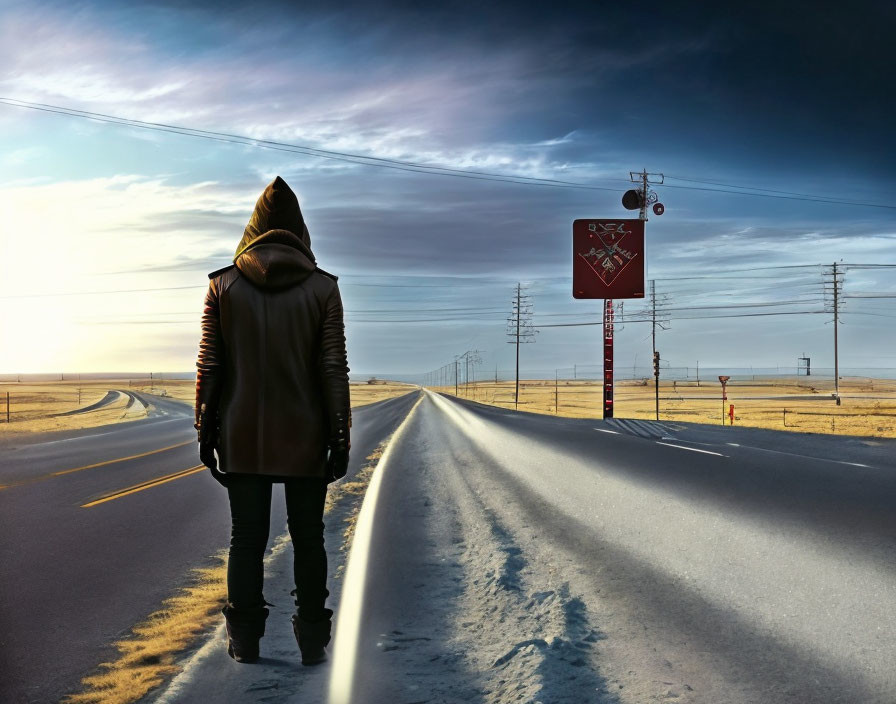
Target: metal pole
[(643, 215), (608, 358), (7, 406), (455, 376)]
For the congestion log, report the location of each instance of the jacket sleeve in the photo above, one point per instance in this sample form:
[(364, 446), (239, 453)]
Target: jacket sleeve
[(210, 362), (334, 367)]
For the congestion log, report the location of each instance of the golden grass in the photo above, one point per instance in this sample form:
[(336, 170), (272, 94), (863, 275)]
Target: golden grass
[(363, 394), (149, 655), (868, 406)]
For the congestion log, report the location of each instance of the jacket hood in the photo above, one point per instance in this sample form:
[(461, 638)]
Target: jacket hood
[(275, 251)]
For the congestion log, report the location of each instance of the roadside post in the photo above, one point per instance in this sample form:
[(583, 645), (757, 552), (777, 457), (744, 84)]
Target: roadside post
[(656, 381), (731, 413), (724, 381)]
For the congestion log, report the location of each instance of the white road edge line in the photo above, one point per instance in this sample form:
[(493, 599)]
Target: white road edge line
[(805, 457), (351, 603), (601, 430), (692, 449), (693, 442)]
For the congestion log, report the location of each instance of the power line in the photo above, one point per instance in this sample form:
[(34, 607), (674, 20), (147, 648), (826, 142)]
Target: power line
[(402, 165), (818, 199), (750, 188), (698, 317), (100, 293), (360, 159)]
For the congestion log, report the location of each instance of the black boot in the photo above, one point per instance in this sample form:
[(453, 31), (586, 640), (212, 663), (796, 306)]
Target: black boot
[(245, 627), (312, 637)]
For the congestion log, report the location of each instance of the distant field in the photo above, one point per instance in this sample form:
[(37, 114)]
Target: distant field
[(32, 406), (361, 393), (868, 406)]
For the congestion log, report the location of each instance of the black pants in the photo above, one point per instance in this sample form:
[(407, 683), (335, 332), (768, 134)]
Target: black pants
[(250, 509)]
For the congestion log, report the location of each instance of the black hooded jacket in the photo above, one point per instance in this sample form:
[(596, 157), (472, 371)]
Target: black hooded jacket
[(272, 356)]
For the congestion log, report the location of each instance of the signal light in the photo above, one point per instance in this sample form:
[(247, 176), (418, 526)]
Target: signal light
[(632, 199)]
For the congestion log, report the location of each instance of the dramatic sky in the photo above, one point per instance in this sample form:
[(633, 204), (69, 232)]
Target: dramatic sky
[(108, 231)]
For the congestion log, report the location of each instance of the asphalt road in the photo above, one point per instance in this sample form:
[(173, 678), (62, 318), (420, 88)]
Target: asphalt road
[(73, 577), (554, 560)]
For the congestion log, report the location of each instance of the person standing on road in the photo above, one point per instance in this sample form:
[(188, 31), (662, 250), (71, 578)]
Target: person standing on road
[(272, 399)]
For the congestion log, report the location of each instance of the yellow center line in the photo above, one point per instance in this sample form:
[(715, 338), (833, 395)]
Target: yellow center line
[(145, 485), (61, 472)]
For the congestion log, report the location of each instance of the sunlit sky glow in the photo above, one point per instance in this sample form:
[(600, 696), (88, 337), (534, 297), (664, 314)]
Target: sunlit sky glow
[(762, 96)]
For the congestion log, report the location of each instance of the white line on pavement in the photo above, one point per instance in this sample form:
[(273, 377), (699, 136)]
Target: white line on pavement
[(805, 457), (601, 430), (692, 449)]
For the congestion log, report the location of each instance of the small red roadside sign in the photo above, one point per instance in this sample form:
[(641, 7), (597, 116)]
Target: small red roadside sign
[(608, 258)]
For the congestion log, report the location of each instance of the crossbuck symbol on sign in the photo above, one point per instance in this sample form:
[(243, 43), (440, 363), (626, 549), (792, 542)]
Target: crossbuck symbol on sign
[(607, 259)]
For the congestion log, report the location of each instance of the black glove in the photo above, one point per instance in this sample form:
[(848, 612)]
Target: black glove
[(339, 445), (337, 462), (208, 432)]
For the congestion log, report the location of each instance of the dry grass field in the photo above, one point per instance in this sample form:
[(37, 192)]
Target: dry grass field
[(32, 407), (868, 406)]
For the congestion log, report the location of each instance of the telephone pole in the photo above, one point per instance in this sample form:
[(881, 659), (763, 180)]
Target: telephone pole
[(471, 359), (520, 330), (654, 323), (833, 283)]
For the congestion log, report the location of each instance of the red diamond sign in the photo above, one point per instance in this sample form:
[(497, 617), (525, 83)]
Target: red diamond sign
[(608, 259)]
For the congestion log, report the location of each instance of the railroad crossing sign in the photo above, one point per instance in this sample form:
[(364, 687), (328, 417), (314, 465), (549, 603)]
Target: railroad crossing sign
[(608, 258)]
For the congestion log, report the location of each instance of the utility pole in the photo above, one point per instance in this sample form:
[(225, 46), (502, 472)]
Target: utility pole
[(836, 346), (836, 281), (656, 357), (519, 329), (471, 359), (516, 398), (556, 393), (654, 322)]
